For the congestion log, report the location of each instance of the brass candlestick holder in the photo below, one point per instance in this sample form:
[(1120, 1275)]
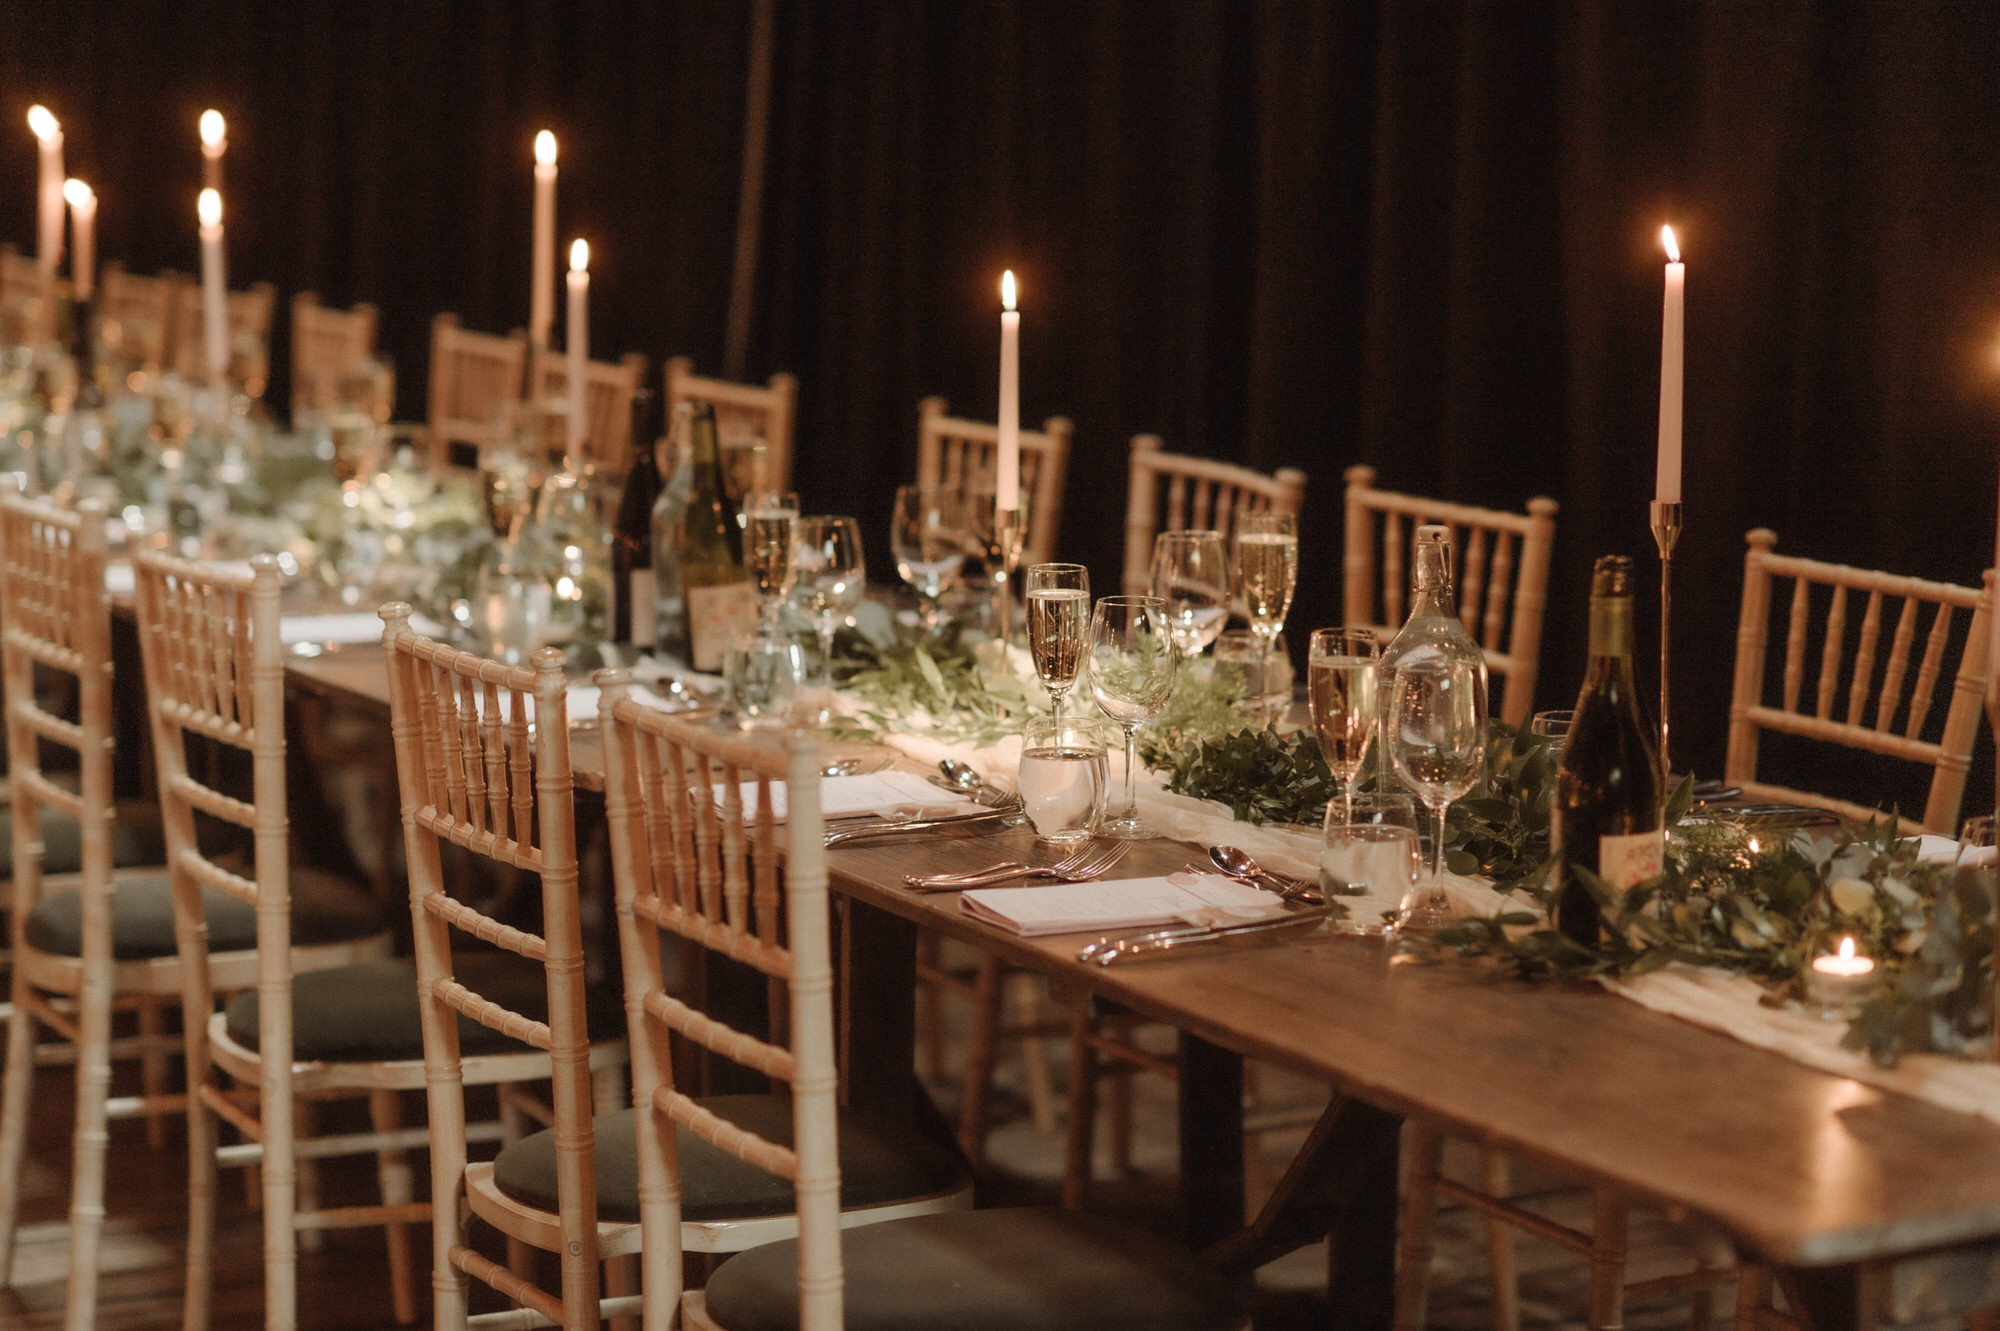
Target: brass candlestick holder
[(1666, 532), (1004, 555)]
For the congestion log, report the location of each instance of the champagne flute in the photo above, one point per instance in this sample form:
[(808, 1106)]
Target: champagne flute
[(1267, 570), (1132, 666), (770, 548), (1340, 694), (1191, 574), (832, 577), (1437, 742), (928, 535), (1058, 604)]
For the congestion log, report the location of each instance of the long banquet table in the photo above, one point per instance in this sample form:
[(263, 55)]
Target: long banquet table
[(1806, 1170)]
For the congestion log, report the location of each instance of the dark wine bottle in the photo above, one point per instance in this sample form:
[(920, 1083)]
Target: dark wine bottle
[(1610, 792), (633, 595), (718, 598)]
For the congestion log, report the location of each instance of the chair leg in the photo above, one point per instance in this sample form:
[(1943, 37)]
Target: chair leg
[(979, 1061), (1080, 1139), (1024, 998), (153, 1067), (1607, 1263), (930, 1008), (305, 1173), (392, 1172), (1497, 1182), (201, 1132), (14, 1092), (93, 1091), (621, 1277), (1423, 1149), (513, 1127)]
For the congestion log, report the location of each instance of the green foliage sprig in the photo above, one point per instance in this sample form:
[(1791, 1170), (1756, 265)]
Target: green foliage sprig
[(941, 685)]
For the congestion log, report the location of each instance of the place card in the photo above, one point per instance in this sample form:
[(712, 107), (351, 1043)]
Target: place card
[(1126, 903)]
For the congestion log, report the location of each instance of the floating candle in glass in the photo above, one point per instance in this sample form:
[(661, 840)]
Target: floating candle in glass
[(1840, 982)]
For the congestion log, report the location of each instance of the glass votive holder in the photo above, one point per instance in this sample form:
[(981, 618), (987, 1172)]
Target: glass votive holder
[(1839, 982), (762, 676)]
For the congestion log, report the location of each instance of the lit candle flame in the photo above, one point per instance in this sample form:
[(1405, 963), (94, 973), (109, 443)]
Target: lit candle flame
[(1847, 949), (212, 128), (579, 256), (1673, 247), (77, 193), (209, 208), (43, 122), (1007, 290), (545, 148)]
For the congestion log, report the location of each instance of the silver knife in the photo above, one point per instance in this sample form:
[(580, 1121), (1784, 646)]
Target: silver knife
[(1104, 952), (996, 817)]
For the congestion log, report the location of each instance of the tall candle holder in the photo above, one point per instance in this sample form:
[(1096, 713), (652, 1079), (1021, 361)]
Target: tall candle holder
[(1004, 553), (1993, 720), (1666, 532)]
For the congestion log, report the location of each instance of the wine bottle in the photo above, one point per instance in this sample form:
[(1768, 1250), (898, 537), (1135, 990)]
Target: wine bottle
[(716, 592), (1610, 793), (669, 515), (633, 592), (1433, 632)]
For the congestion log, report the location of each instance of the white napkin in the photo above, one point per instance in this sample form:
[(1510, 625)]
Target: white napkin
[(348, 626), (584, 699), (1128, 903), (1943, 850), (853, 796)]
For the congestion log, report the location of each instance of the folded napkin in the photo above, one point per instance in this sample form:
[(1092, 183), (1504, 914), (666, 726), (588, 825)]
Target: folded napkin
[(584, 699), (1128, 903), (1943, 850), (348, 626), (874, 793)]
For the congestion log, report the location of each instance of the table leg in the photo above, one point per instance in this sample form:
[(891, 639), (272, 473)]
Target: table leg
[(1211, 1139), (878, 1011)]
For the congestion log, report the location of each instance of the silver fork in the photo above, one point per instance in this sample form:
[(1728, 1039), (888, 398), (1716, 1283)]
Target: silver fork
[(1089, 861)]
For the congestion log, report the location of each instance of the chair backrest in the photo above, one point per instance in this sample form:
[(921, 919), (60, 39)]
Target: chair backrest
[(135, 315), (1860, 699), (57, 620), (482, 761), (1201, 493), (961, 455), (249, 312), (24, 298), (1503, 575), (694, 852), (608, 387), (327, 343), (471, 375), (763, 411)]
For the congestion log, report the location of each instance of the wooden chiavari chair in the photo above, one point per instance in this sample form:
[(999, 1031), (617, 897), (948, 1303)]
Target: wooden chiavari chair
[(327, 344), (960, 454), (135, 315), (1503, 575), (761, 411), (1200, 494), (249, 313), (609, 387), (1888, 711), (482, 761), (472, 375), (25, 308)]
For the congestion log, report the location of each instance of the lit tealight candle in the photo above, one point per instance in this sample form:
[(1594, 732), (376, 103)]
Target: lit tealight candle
[(1841, 980), (1007, 478), (83, 248), (49, 194), (214, 143), (542, 291), (576, 343)]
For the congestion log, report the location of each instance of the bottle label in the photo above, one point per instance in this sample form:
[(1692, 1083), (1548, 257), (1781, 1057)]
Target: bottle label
[(1629, 860), (715, 615), (643, 615)]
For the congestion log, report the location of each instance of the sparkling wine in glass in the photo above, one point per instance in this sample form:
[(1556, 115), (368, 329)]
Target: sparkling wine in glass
[(1341, 681), (1132, 665), (1267, 570), (770, 548), (1058, 602), (1437, 743), (930, 535), (1191, 574)]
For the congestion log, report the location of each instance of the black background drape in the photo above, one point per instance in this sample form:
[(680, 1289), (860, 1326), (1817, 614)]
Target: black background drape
[(1420, 235)]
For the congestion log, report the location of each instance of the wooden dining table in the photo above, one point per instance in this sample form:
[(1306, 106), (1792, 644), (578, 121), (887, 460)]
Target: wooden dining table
[(1880, 1207)]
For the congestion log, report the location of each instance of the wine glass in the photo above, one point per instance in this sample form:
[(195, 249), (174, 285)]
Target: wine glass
[(1132, 666), (1058, 604), (1267, 570), (1340, 694), (928, 535), (770, 548), (1191, 574), (832, 577), (1437, 742)]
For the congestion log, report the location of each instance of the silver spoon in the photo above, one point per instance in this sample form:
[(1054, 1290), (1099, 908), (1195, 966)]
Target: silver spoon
[(963, 777), (1240, 865)]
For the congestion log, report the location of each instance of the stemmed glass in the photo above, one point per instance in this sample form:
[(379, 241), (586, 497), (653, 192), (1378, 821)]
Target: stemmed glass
[(770, 548), (832, 577), (1437, 742), (1267, 570), (1191, 574), (1058, 604), (1340, 694), (1132, 666), (928, 534)]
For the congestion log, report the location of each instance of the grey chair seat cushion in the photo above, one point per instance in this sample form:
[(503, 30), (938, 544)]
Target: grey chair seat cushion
[(135, 839), (1028, 1269), (367, 1012), (878, 1164), (325, 909)]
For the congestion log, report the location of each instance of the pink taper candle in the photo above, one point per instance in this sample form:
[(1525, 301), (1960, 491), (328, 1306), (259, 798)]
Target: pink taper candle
[(214, 143), (83, 228), (577, 346), (49, 192), (1007, 480), (214, 289), (542, 291), (1673, 340)]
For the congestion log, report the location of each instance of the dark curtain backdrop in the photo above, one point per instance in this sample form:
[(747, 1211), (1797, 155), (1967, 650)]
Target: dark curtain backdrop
[(1420, 235)]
